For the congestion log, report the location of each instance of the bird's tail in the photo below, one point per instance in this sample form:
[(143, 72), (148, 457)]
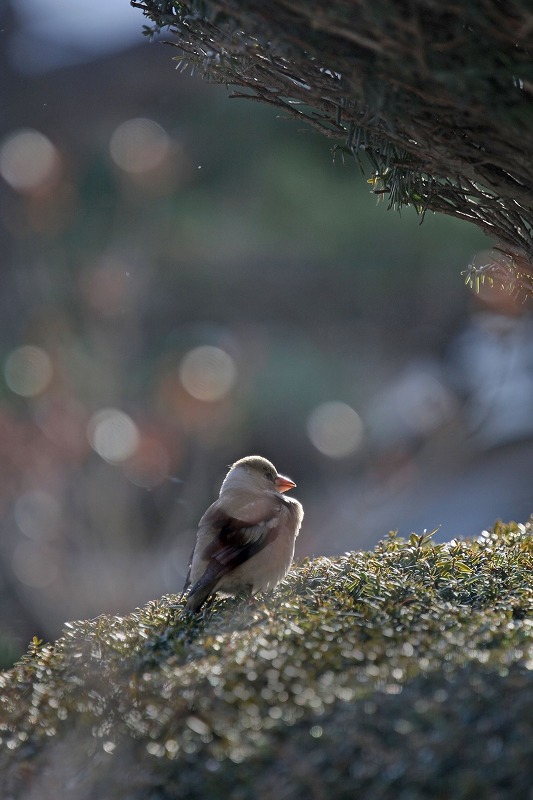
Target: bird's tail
[(199, 593)]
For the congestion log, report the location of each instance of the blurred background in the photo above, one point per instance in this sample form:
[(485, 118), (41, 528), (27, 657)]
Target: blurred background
[(187, 279)]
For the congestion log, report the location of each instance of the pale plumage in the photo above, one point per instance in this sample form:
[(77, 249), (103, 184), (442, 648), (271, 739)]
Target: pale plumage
[(246, 538)]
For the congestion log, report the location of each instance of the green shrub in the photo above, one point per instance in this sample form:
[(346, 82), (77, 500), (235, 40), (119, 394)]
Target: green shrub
[(405, 672)]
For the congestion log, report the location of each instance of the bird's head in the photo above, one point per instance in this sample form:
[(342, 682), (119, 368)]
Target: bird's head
[(256, 473)]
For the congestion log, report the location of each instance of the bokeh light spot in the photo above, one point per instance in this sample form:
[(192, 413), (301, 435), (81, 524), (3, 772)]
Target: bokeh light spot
[(28, 370), (28, 160), (139, 145), (113, 434), (208, 373), (37, 515), (335, 429)]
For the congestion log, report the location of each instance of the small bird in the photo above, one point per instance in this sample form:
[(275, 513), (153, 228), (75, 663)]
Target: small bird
[(246, 538)]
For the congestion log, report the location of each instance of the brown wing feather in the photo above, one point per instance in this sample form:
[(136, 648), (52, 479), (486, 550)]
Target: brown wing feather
[(235, 542)]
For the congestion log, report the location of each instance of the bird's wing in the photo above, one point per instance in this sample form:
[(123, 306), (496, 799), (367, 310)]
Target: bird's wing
[(236, 542), (231, 542), (238, 531)]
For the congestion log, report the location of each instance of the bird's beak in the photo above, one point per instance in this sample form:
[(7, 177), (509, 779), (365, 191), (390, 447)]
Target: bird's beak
[(283, 484)]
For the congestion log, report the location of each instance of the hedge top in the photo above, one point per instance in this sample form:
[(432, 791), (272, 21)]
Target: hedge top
[(406, 671)]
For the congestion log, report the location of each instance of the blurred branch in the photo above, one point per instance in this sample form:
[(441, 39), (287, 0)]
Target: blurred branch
[(436, 98)]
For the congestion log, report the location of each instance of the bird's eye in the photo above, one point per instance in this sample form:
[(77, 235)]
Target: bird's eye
[(269, 474)]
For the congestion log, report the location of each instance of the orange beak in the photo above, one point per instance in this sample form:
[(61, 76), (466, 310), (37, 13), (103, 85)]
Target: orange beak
[(283, 484)]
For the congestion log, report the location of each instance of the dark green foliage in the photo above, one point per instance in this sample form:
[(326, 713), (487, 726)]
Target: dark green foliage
[(402, 672), (434, 99)]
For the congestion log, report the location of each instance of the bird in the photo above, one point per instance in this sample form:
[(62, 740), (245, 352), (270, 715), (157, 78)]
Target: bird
[(245, 540)]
